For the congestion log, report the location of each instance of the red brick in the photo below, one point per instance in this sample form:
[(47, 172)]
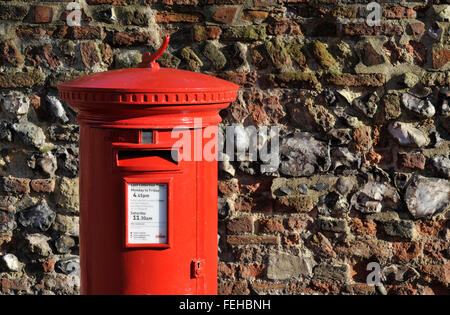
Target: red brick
[(258, 59), (373, 158), (244, 79), (89, 54), (321, 246), (435, 249), (360, 227), (241, 225), (430, 227), (362, 138), (270, 225), (291, 239), (440, 58), (131, 38), (220, 2), (399, 12), (228, 187), (225, 15), (10, 54), (252, 271), (268, 286), (406, 251), (16, 185), (97, 2), (416, 28), (440, 273), (394, 52), (30, 31), (173, 17), (284, 27), (43, 185), (411, 160), (418, 51), (300, 223), (253, 239), (48, 265), (254, 15), (226, 270), (39, 55), (42, 14), (361, 289), (79, 32), (359, 29), (13, 285), (233, 288)]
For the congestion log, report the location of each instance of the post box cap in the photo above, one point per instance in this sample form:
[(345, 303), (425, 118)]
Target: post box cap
[(149, 84)]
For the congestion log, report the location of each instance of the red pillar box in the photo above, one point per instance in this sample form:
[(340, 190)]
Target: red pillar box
[(148, 219)]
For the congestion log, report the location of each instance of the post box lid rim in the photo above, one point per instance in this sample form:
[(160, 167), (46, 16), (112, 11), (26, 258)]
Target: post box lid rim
[(149, 80)]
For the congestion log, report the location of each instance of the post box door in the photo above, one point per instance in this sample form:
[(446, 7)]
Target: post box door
[(113, 265)]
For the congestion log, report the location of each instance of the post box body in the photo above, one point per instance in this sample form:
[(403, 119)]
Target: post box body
[(148, 219)]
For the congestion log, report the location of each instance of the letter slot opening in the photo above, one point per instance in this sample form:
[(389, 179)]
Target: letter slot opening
[(147, 160)]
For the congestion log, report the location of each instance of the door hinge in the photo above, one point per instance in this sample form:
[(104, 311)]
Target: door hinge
[(197, 268)]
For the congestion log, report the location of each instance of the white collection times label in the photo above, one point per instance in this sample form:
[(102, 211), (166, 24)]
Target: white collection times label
[(147, 213)]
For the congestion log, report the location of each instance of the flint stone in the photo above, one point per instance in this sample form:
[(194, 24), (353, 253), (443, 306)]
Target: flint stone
[(344, 185), (343, 157), (107, 16), (7, 222), (57, 108), (320, 186), (442, 164), (399, 273), (5, 132), (66, 224), (406, 134), (69, 266), (419, 106), (38, 244), (402, 228), (367, 104), (64, 243), (30, 134), (303, 155), (375, 196), (224, 207), (283, 266), (225, 165), (38, 217), (11, 262), (285, 191), (333, 225), (48, 163), (425, 197), (15, 103), (67, 158), (303, 189)]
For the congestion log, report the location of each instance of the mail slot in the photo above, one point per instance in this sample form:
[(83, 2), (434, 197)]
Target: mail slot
[(148, 215)]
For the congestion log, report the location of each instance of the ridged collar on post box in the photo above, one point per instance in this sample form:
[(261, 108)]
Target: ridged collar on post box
[(148, 85)]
